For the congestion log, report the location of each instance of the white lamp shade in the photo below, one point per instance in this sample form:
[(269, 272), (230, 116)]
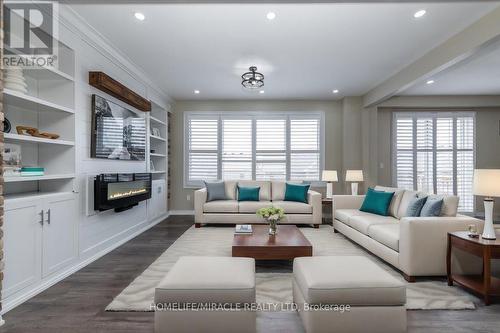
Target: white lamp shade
[(329, 176), (354, 176), (487, 182)]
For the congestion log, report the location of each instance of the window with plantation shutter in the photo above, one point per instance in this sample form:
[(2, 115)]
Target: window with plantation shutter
[(434, 153), (202, 142), (304, 149), (253, 145)]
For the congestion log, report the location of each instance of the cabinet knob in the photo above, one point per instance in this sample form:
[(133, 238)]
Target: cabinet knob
[(41, 217)]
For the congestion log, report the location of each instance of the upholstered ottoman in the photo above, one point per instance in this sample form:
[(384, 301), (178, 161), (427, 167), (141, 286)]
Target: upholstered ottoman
[(207, 294), (324, 287)]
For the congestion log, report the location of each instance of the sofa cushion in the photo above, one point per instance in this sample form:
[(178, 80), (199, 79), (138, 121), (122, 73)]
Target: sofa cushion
[(432, 207), (387, 234), (248, 193), (344, 214), (296, 192), (362, 223), (415, 207), (252, 206), (265, 188), (450, 204), (215, 190), (396, 199), (278, 189), (221, 206), (406, 198), (292, 207), (208, 279), (377, 202), (231, 189), (350, 280)]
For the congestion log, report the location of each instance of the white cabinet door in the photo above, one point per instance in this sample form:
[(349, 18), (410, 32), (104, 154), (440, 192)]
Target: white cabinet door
[(22, 248), (59, 238), (157, 205)]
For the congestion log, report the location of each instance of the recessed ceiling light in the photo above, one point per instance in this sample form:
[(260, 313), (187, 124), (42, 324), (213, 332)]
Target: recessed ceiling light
[(335, 91), (430, 82), (271, 15), (196, 92), (139, 16), (261, 91), (420, 13)]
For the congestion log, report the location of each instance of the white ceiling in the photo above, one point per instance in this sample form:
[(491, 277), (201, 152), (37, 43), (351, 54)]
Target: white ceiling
[(308, 50), (478, 75)]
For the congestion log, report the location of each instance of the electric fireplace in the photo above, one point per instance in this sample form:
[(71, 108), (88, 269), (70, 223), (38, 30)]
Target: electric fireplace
[(121, 191)]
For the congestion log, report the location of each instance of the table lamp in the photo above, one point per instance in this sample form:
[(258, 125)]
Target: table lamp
[(354, 176), (487, 184), (329, 176)]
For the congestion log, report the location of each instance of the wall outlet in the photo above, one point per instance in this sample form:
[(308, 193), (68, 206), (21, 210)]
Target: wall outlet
[(188, 197)]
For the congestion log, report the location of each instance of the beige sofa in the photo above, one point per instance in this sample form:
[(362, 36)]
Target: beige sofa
[(272, 193), (415, 245)]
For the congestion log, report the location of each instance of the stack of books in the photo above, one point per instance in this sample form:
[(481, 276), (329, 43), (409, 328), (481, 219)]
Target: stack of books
[(243, 229), (32, 171)]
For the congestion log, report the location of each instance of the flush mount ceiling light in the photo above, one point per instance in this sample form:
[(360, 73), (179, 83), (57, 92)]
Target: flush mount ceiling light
[(430, 82), (261, 92), (196, 92), (252, 79), (139, 16), (420, 13), (271, 16), (335, 91)]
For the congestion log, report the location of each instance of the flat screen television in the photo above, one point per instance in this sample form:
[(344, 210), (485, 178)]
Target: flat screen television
[(117, 133)]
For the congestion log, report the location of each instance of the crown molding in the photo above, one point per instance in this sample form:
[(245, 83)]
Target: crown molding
[(81, 28)]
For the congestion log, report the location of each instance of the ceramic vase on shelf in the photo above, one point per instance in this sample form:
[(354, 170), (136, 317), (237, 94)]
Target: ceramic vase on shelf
[(14, 80)]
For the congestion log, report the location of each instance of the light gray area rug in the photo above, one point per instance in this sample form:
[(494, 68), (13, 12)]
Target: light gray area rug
[(276, 288)]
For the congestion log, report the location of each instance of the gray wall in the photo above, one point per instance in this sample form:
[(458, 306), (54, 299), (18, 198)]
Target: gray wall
[(338, 115)]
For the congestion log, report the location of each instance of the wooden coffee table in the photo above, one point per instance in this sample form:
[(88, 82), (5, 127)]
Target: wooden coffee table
[(287, 244)]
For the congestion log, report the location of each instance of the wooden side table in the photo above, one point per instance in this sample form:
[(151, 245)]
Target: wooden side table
[(483, 284), (328, 202)]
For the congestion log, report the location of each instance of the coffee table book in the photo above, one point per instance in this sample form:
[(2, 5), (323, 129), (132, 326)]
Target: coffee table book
[(243, 229)]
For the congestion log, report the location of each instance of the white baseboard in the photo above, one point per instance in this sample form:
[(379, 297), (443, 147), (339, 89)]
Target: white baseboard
[(181, 212), (29, 293)]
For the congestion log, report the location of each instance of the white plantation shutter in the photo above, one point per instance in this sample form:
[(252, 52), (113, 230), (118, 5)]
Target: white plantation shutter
[(202, 161), (304, 149), (271, 149), (434, 153), (465, 162), (404, 152), (236, 148), (252, 145)]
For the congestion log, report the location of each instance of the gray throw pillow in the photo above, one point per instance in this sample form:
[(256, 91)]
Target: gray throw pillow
[(432, 207), (215, 190), (415, 206)]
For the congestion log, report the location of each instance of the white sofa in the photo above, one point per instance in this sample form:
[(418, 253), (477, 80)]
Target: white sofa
[(237, 212), (416, 246)]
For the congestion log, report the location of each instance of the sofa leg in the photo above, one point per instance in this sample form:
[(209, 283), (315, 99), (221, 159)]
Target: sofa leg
[(409, 278), (197, 225), (316, 226)]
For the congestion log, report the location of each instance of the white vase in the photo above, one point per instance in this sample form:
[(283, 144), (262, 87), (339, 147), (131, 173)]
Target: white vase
[(14, 80)]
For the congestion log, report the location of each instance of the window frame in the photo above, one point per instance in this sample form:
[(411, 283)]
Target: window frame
[(253, 115), (434, 115)]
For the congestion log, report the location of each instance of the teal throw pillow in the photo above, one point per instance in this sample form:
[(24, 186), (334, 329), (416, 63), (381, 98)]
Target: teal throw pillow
[(296, 192), (248, 193), (415, 206), (432, 207), (377, 202)]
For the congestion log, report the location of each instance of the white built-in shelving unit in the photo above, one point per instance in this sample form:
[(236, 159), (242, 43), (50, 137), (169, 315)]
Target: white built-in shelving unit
[(48, 106), (157, 154)]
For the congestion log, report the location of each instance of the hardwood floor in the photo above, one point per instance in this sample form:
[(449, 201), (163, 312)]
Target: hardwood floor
[(77, 303)]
